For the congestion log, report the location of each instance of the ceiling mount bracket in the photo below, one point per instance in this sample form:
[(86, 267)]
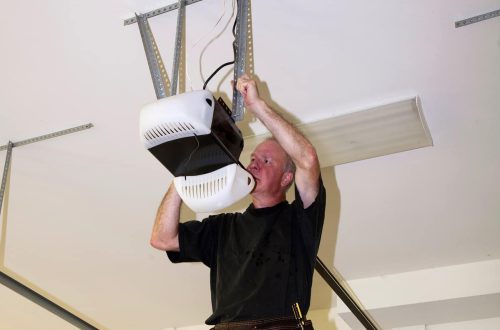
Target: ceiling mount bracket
[(240, 56), (49, 136), (178, 46), (6, 169), (477, 18), (159, 75), (158, 11), (155, 63), (11, 145)]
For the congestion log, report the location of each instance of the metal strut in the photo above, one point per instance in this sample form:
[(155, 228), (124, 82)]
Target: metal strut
[(159, 75), (240, 56), (477, 18), (178, 45), (157, 69), (11, 145), (6, 169), (158, 11), (49, 136)]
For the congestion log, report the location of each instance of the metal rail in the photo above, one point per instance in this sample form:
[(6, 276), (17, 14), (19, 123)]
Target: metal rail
[(43, 302), (342, 293)]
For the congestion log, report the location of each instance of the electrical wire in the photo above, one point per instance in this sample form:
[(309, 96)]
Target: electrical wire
[(213, 40), (208, 33), (215, 72), (234, 26), (199, 39), (227, 63)]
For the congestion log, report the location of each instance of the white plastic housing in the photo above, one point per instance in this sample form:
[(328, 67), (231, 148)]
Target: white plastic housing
[(215, 190), (175, 117)]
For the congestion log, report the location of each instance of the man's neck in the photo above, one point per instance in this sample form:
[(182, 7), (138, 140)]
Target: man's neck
[(266, 201)]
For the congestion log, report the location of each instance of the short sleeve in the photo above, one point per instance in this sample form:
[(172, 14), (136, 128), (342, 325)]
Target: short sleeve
[(197, 242), (311, 219)]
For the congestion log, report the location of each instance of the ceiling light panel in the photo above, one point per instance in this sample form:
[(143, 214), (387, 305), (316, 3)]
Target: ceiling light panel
[(374, 132)]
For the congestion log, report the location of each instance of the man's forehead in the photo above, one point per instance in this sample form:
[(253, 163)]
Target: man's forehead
[(269, 147)]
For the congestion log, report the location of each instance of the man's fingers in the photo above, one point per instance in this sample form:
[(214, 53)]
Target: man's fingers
[(241, 86)]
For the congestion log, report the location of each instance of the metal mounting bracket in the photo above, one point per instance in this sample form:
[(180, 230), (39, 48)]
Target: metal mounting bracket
[(240, 60), (6, 169), (159, 75), (157, 69), (48, 136), (178, 45), (9, 146), (477, 18), (158, 11)]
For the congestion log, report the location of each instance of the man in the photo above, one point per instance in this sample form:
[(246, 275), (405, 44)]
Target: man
[(261, 261)]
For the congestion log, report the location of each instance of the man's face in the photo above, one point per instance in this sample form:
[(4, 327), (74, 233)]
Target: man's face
[(267, 166)]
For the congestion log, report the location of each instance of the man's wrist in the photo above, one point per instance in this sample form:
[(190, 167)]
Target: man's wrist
[(257, 105)]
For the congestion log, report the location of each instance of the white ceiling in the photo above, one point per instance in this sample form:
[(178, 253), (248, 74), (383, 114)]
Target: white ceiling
[(81, 207)]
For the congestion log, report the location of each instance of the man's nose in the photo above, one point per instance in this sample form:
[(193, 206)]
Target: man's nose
[(253, 165)]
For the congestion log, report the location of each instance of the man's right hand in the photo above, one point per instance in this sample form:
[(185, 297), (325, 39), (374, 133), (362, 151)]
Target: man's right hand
[(248, 89)]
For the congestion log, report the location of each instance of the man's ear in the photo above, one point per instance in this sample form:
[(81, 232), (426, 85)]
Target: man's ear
[(286, 179)]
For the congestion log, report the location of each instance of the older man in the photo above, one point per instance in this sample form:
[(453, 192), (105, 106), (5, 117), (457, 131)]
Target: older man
[(262, 260)]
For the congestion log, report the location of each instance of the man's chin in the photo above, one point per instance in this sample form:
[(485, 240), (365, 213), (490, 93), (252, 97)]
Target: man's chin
[(257, 187), (254, 188)]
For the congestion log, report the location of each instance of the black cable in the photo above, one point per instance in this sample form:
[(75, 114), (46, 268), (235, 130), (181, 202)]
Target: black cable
[(215, 72), (234, 26), (227, 63)]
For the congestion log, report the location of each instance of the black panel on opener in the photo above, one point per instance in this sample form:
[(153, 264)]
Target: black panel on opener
[(202, 154)]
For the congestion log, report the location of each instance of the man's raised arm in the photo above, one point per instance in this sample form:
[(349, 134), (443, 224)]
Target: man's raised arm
[(291, 140), (165, 235)]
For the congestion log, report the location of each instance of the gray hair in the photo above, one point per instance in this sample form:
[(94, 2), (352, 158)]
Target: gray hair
[(289, 164)]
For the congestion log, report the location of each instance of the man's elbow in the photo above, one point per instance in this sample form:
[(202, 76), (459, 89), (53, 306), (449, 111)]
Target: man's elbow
[(309, 160), (165, 245)]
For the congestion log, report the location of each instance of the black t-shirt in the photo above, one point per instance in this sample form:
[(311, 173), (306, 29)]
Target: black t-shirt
[(261, 261)]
